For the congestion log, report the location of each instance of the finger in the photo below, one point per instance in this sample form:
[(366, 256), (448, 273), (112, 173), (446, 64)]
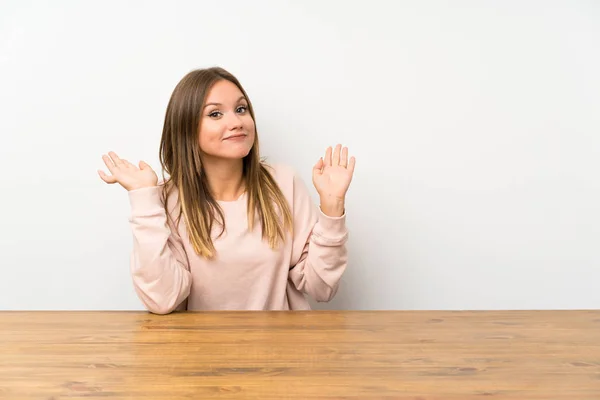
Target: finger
[(143, 165), (336, 155), (327, 160), (115, 158), (351, 165), (318, 168), (106, 178), (109, 164), (126, 163), (344, 157)]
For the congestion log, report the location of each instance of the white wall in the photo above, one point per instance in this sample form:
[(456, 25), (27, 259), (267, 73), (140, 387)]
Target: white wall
[(475, 124)]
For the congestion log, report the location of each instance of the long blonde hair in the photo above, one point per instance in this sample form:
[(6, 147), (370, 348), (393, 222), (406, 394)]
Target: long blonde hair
[(180, 159)]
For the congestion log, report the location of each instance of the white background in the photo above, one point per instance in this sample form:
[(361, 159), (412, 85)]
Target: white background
[(475, 124)]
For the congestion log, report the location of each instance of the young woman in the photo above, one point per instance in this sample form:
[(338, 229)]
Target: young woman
[(224, 230)]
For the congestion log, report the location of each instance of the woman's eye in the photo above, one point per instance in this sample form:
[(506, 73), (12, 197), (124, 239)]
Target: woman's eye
[(242, 109), (214, 114)]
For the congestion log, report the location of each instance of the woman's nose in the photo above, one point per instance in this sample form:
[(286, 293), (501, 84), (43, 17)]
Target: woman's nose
[(234, 121)]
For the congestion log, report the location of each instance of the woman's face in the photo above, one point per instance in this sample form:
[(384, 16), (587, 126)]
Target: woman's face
[(226, 128)]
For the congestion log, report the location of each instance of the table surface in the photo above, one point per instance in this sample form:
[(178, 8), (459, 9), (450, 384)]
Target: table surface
[(424, 355)]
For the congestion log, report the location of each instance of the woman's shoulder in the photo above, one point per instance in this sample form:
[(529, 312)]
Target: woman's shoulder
[(284, 174), (168, 191)]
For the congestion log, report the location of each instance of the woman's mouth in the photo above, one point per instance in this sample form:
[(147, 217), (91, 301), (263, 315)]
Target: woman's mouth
[(238, 136)]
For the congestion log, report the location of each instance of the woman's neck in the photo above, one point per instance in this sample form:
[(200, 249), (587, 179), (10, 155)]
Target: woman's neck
[(225, 178)]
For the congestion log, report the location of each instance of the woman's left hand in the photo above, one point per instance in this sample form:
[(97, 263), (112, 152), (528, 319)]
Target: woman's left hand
[(332, 176)]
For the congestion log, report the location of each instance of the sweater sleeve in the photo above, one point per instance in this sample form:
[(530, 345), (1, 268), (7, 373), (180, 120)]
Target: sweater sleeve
[(319, 254), (159, 265)]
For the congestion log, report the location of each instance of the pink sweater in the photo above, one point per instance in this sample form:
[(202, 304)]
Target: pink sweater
[(245, 274)]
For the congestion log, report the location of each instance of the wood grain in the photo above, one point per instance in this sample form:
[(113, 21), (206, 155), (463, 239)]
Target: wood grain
[(416, 355)]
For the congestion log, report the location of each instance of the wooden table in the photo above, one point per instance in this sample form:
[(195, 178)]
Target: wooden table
[(423, 355)]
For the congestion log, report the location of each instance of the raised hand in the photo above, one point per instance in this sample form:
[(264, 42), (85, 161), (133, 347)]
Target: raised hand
[(126, 174), (332, 176)]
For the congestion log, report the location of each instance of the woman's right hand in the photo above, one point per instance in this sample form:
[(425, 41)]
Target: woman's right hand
[(126, 174)]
